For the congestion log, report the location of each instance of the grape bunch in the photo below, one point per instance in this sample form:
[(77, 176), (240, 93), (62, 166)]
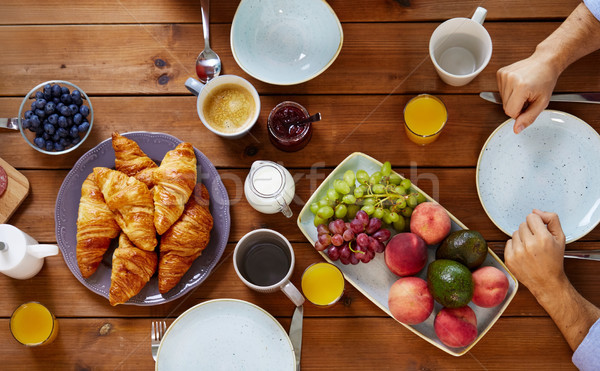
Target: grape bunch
[(352, 242), (383, 195)]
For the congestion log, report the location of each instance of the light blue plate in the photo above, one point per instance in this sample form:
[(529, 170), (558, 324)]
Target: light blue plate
[(285, 42), (553, 165)]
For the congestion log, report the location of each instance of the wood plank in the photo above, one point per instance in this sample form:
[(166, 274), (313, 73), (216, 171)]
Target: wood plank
[(188, 11), (347, 343), (13, 192), (370, 124), (157, 59)]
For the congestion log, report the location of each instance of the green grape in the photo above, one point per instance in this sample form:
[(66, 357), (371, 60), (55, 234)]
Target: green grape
[(352, 210), (358, 192), (401, 203), (405, 183), (399, 190), (349, 199), (369, 201), (394, 217), (332, 194), (412, 201), (375, 177), (340, 211), (378, 188), (314, 207), (386, 217), (324, 202), (350, 178), (325, 212), (369, 209), (362, 176), (420, 198), (399, 225), (386, 168), (318, 221), (341, 187), (407, 212), (364, 187), (378, 213), (395, 179)]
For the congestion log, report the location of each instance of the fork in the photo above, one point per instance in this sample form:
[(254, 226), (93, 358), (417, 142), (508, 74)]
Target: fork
[(158, 331)]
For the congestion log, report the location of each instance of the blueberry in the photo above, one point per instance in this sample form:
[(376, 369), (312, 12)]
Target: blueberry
[(64, 90), (40, 113), (28, 114), (48, 97), (84, 110), (62, 121), (59, 147), (66, 99), (40, 142), (40, 103), (77, 118), (35, 121), (49, 109), (76, 140), (58, 105), (56, 100), (26, 124), (39, 95), (48, 89), (49, 145), (33, 106), (78, 101), (74, 132), (64, 142), (56, 91), (53, 119), (49, 128), (55, 137), (62, 132), (65, 111), (74, 109), (76, 93), (70, 121), (46, 136), (83, 127)]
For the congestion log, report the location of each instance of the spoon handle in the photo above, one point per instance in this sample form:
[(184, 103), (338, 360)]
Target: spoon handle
[(205, 8)]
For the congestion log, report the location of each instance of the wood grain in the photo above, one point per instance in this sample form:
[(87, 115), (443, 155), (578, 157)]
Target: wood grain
[(16, 190)]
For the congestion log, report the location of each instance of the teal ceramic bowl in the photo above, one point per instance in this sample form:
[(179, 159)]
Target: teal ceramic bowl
[(285, 42)]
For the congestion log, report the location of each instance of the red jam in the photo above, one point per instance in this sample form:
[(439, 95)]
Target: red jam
[(284, 133)]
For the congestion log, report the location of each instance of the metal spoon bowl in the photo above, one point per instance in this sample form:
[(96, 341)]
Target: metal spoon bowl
[(208, 63)]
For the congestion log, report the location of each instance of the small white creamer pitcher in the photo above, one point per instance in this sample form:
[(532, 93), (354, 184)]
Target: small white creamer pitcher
[(21, 256), (270, 188)]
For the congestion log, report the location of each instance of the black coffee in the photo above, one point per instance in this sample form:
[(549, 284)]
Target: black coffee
[(265, 264)]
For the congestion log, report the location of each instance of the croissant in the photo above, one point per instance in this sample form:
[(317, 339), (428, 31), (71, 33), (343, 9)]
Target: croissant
[(96, 226), (131, 202), (131, 270), (185, 240), (131, 160), (174, 181)]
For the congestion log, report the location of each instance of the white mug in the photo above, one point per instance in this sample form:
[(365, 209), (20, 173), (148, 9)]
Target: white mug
[(21, 256), (460, 48), (264, 260), (202, 91)]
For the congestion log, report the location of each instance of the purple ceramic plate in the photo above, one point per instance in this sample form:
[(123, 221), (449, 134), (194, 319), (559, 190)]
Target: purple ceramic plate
[(155, 145)]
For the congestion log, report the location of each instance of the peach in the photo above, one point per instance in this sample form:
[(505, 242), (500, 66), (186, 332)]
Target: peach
[(410, 301), (431, 222), (406, 254), (456, 327), (490, 287)]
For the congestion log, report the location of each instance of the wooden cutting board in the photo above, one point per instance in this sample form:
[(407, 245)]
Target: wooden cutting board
[(16, 191)]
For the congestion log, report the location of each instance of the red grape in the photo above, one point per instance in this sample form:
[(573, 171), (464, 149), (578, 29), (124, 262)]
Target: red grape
[(325, 239), (353, 259), (337, 240), (357, 226), (319, 246), (337, 226), (382, 235), (345, 252), (373, 226), (333, 252), (322, 229), (348, 235), (363, 217)]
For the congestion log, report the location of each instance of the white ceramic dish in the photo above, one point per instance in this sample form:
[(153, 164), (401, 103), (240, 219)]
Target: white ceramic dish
[(374, 279), (225, 334), (553, 165), (285, 42)]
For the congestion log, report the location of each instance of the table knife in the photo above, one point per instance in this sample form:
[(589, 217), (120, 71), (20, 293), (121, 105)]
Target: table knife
[(9, 124), (573, 254), (296, 333), (576, 98)]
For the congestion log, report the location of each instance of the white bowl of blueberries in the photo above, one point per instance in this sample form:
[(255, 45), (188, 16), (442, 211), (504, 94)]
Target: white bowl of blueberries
[(55, 117)]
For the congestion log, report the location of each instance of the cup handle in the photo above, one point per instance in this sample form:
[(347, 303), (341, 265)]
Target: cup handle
[(284, 207), (292, 292), (479, 15), (194, 86)]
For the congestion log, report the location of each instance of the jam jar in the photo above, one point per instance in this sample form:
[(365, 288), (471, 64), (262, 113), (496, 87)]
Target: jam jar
[(284, 133)]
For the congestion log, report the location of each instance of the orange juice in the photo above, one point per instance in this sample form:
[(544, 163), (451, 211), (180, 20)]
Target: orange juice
[(33, 324), (323, 284), (424, 118)]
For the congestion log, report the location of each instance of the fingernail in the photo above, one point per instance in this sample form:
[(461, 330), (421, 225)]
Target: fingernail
[(518, 129)]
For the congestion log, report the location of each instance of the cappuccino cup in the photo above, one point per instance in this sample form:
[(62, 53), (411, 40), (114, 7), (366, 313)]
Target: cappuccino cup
[(227, 105)]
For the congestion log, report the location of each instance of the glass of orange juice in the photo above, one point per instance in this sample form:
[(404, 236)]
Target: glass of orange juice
[(424, 118), (32, 324), (323, 284)]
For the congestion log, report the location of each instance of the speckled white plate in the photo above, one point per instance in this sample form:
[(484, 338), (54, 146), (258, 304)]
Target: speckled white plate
[(553, 165), (226, 334), (375, 279)]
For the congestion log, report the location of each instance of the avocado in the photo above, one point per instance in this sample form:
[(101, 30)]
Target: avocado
[(450, 283), (466, 247)]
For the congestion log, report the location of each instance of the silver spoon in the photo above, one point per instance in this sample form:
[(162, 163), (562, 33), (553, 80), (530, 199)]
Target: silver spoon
[(208, 63), (313, 118)]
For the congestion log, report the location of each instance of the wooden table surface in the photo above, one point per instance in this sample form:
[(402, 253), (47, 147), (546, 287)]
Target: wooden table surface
[(132, 58)]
